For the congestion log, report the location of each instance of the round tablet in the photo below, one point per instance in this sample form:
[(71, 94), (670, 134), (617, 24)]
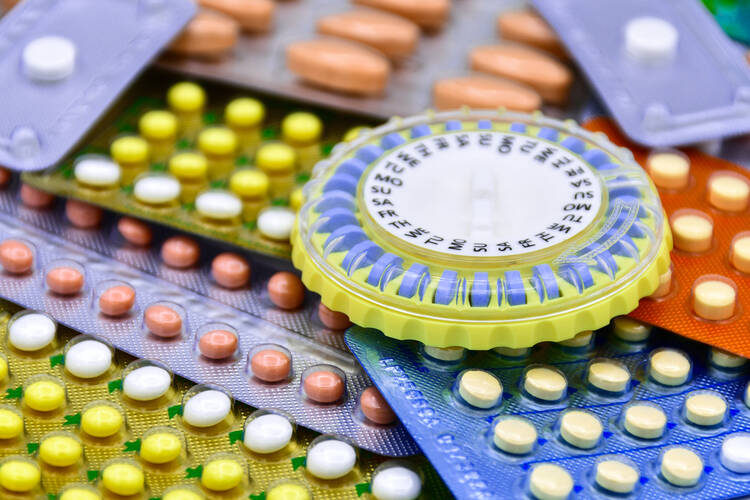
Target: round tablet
[(724, 359), (77, 493), (268, 433), (162, 321), (64, 280), (130, 150), (545, 383), (276, 223), (375, 407), (301, 128), (630, 330), (34, 198), (608, 376), (161, 447), (16, 257), (96, 171), (740, 252), (49, 58), (645, 421), (186, 96), (230, 270), (580, 429), (288, 491), (705, 408), (669, 367), (286, 290), (728, 192), (448, 354), (396, 483), (180, 252), (179, 493), (651, 40), (60, 451), (123, 478), (271, 365), (330, 459), (117, 300), (88, 359), (222, 474), (668, 169), (101, 421), (207, 408), (515, 435), (134, 231), (479, 388), (714, 299), (665, 284), (681, 466), (244, 112), (156, 189), (218, 344), (735, 453), (512, 352), (218, 205), (44, 395), (31, 332), (146, 383), (19, 476), (323, 386), (616, 476), (332, 319), (11, 424), (580, 340), (82, 215), (550, 482), (250, 184), (692, 232)]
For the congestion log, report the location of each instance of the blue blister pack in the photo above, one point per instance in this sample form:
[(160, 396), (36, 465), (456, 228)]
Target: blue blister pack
[(618, 413), (62, 64), (664, 69)]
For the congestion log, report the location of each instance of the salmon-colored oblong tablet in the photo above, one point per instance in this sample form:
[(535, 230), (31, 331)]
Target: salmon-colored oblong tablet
[(252, 15), (218, 344), (286, 290), (162, 321), (230, 270), (64, 280), (324, 386), (117, 300), (208, 34), (16, 257), (483, 92), (339, 65), (332, 319), (83, 215), (270, 365), (180, 252), (34, 198), (392, 35), (528, 27), (375, 407), (529, 66), (5, 176), (429, 14), (134, 231)]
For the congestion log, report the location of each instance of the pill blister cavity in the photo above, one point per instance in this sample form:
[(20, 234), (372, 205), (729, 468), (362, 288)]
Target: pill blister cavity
[(714, 297), (330, 457), (669, 367)]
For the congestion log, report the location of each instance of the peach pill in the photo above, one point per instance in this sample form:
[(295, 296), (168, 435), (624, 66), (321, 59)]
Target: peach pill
[(332, 319), (218, 344), (117, 300), (286, 290), (180, 252), (34, 198), (392, 35), (324, 386), (83, 215), (230, 270), (16, 257), (484, 92), (429, 14), (270, 365), (64, 280), (162, 321), (254, 15), (529, 28), (208, 34), (134, 231), (375, 407)]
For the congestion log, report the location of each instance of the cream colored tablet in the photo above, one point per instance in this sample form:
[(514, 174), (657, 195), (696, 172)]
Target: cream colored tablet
[(740, 253), (445, 353), (550, 482), (218, 205), (669, 169), (645, 421), (705, 408), (608, 376), (724, 359), (681, 466), (692, 232), (581, 340), (665, 285), (580, 429), (616, 476), (96, 171), (510, 352), (479, 388), (714, 299), (515, 435), (747, 395), (728, 192), (669, 367), (545, 383), (630, 330)]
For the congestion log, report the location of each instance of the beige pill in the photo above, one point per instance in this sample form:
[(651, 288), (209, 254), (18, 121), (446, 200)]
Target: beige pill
[(480, 389), (512, 352), (669, 169), (747, 395), (630, 330), (543, 73), (550, 482), (339, 65), (645, 421), (740, 253), (724, 359), (208, 34), (580, 340), (714, 299), (515, 435), (580, 429), (545, 383), (669, 367), (252, 15), (728, 191), (608, 376), (705, 409), (429, 14), (445, 353), (681, 466), (484, 92), (392, 35), (692, 232), (528, 27), (665, 285), (616, 476)]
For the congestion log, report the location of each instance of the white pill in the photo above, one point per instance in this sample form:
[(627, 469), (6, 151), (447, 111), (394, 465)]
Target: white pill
[(49, 58), (88, 359), (645, 421), (396, 483), (445, 353), (268, 433), (724, 359), (330, 459), (580, 429), (156, 189), (735, 453), (681, 466), (97, 171), (705, 408), (608, 376), (276, 223), (550, 482), (207, 408), (219, 205), (669, 367), (515, 435), (650, 39), (146, 383), (31, 332), (545, 383), (616, 476)]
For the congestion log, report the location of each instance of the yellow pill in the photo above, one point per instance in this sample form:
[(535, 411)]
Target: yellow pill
[(161, 447), (296, 199), (181, 494), (244, 113), (3, 369), (129, 149), (276, 157), (11, 424), (60, 451), (19, 476), (669, 169), (249, 183), (79, 494), (188, 166), (301, 128), (222, 474), (44, 395), (101, 421), (288, 492), (217, 141), (186, 96), (354, 132), (158, 125), (123, 479), (692, 232)]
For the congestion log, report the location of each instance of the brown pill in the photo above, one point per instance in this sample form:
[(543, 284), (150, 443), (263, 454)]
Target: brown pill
[(230, 270), (15, 256), (218, 344), (5, 176), (270, 365), (286, 290), (332, 319), (529, 66), (324, 386), (82, 215), (392, 35), (483, 92), (208, 34), (117, 300), (32, 197), (339, 65), (529, 28), (134, 231), (429, 14), (375, 407), (162, 321), (9, 4), (180, 252), (252, 15), (64, 280)]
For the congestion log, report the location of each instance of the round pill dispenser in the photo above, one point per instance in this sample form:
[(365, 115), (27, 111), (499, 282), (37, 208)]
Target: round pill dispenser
[(580, 429), (330, 457), (669, 367), (270, 363), (680, 466), (514, 435), (735, 452), (32, 333), (223, 472), (478, 389), (396, 480), (191, 170), (608, 376), (244, 116), (207, 406), (549, 482), (159, 128), (251, 185), (395, 239), (16, 256), (704, 408), (132, 154), (219, 144), (87, 358), (268, 431), (616, 474), (303, 131), (217, 342), (97, 172), (278, 161), (187, 100), (644, 420)]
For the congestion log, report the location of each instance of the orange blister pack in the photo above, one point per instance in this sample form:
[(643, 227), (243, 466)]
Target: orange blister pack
[(706, 294)]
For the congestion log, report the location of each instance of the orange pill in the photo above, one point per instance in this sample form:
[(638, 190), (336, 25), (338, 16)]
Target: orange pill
[(82, 215), (270, 365), (208, 34), (375, 407), (180, 252), (484, 92), (5, 176), (34, 198), (134, 231), (332, 319), (64, 280), (392, 35), (117, 300), (429, 14), (286, 290), (528, 28), (162, 321), (230, 270), (324, 386), (252, 15), (218, 344), (16, 257)]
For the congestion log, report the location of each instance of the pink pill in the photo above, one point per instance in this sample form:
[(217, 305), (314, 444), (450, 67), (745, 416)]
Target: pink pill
[(375, 407), (332, 319), (34, 198), (218, 344), (64, 280), (286, 290), (117, 300), (270, 365), (180, 252), (162, 321), (324, 386), (83, 215), (230, 270), (16, 257), (134, 231)]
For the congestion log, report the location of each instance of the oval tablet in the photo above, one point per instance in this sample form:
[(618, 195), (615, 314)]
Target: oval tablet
[(286, 290), (529, 28), (375, 407), (713, 298), (582, 339), (19, 475), (705, 408), (218, 205), (645, 421), (480, 388), (669, 169), (515, 435), (82, 215), (724, 359), (60, 451), (16, 257), (392, 35), (395, 483), (339, 65), (681, 466), (545, 383), (180, 252), (254, 16), (64, 280), (332, 319), (739, 254), (271, 365), (34, 198), (616, 476), (31, 331), (123, 478), (692, 231), (117, 300), (146, 383), (735, 453), (218, 344), (630, 330), (11, 423), (669, 367), (429, 14), (550, 482), (608, 376), (230, 270), (222, 474), (448, 354), (97, 171), (276, 223), (581, 429), (267, 433), (161, 446), (330, 459), (207, 408), (158, 189), (323, 386), (208, 34), (88, 359), (44, 395), (484, 92), (162, 321), (101, 420), (134, 231)]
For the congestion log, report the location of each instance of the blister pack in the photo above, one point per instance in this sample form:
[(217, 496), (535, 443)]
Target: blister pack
[(618, 413), (65, 63), (649, 60), (81, 420)]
